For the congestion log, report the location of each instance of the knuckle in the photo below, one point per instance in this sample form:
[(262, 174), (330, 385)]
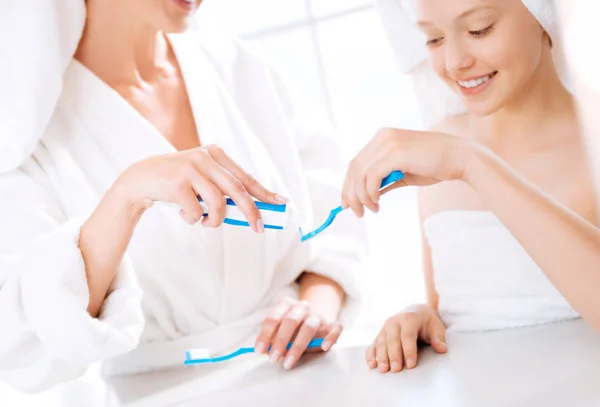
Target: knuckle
[(237, 186), (271, 320), (382, 133), (219, 202), (408, 318), (250, 180), (213, 149), (309, 330), (288, 319), (202, 155)]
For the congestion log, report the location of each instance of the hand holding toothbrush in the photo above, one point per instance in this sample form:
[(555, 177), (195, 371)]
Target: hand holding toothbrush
[(425, 158), (296, 321), (183, 176)]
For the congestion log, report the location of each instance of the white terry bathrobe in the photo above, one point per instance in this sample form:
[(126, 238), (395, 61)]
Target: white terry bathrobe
[(179, 286)]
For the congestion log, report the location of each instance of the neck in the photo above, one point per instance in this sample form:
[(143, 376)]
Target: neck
[(119, 48), (543, 102)]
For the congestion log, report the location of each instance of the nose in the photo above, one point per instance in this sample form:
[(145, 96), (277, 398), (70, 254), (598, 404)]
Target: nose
[(458, 57)]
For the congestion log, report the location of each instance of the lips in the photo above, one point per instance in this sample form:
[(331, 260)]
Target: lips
[(475, 82), (186, 4)]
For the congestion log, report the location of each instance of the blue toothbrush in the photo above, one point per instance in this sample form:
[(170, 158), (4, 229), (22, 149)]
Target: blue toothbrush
[(200, 356), (390, 179)]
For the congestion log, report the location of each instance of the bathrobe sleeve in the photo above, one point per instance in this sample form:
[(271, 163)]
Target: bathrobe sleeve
[(47, 337)]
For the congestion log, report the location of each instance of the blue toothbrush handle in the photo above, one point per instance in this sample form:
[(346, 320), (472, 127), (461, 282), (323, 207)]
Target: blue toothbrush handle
[(315, 343), (390, 179)]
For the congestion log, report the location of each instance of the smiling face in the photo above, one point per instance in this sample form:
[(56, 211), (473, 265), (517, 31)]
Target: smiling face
[(488, 51)]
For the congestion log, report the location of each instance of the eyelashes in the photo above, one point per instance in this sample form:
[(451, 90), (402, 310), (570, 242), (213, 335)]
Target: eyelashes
[(482, 32), (474, 33)]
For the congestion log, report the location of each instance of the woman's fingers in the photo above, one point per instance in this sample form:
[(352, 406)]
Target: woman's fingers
[(254, 188), (409, 336), (333, 336), (271, 325), (191, 210), (305, 334), (213, 198), (381, 353), (370, 356), (232, 187), (394, 348), (363, 195), (437, 336), (287, 330)]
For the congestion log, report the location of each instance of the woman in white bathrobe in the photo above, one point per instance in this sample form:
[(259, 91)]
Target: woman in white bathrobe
[(91, 270)]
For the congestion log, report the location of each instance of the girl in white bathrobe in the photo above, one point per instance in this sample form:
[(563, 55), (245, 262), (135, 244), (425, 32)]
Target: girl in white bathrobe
[(90, 269), (511, 239)]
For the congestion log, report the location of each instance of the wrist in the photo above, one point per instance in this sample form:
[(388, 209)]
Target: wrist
[(472, 156), (118, 205), (325, 296), (121, 195)]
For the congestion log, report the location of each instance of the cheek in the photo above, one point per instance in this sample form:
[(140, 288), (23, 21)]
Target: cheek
[(437, 61), (514, 52)]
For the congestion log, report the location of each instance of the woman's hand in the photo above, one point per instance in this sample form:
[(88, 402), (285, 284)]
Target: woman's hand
[(295, 321), (183, 176), (396, 343), (424, 157)]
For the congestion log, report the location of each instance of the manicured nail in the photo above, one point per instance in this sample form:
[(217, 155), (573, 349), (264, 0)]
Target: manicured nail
[(275, 356), (281, 199), (410, 363), (260, 226), (260, 348), (327, 345), (289, 362), (396, 367)]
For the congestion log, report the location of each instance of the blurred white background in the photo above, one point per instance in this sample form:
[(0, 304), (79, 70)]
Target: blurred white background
[(336, 52)]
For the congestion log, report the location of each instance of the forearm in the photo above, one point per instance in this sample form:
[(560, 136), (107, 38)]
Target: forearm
[(103, 241), (323, 294), (564, 245)]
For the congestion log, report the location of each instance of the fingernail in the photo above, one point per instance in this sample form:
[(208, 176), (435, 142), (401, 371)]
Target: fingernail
[(327, 345), (372, 364), (275, 356), (410, 363), (396, 366), (382, 367), (260, 226), (281, 199), (260, 348), (289, 361)]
